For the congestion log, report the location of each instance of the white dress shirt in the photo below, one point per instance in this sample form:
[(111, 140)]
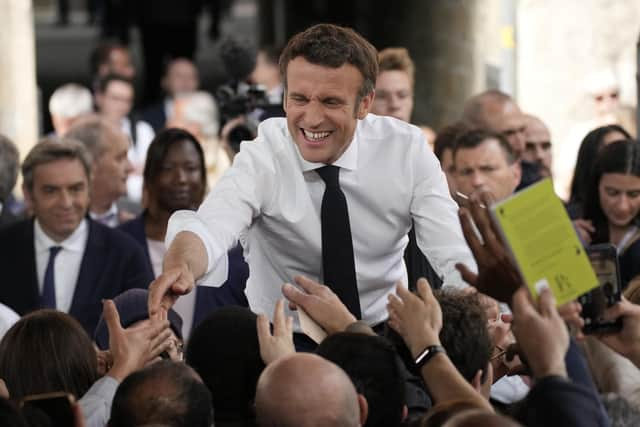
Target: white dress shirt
[(137, 155), (109, 218), (272, 197), (66, 264)]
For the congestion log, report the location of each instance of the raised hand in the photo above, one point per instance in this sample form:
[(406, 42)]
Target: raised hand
[(417, 318), (279, 343), (540, 332), (134, 347), (497, 275), (320, 303)]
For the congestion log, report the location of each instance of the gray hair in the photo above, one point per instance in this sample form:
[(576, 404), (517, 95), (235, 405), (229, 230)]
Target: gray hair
[(70, 100), (51, 150), (9, 162), (94, 132), (201, 108)]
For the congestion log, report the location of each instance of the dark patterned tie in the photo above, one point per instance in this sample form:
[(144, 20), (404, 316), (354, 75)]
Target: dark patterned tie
[(48, 298), (337, 246)]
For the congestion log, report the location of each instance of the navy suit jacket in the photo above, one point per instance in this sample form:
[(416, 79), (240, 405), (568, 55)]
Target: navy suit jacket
[(112, 263), (207, 298), (155, 116)]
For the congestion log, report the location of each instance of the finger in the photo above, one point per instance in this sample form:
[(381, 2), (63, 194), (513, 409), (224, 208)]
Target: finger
[(404, 294), (467, 275), (483, 220), (164, 345), (615, 311), (159, 288), (310, 286), (294, 295), (264, 330), (522, 307), (158, 340), (424, 290), (111, 317), (290, 326), (547, 303), (394, 304), (157, 327), (279, 317), (469, 232)]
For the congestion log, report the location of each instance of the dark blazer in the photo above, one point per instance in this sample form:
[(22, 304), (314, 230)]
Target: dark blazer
[(155, 116), (207, 298), (112, 263)]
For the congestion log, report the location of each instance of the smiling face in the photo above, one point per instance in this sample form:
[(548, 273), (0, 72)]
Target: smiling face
[(619, 198), (322, 108), (180, 183), (59, 196)]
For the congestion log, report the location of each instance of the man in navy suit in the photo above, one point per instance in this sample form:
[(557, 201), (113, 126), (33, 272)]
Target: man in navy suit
[(61, 258)]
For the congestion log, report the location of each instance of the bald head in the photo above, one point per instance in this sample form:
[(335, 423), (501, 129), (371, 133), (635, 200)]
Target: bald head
[(306, 390), (497, 112), (537, 147)]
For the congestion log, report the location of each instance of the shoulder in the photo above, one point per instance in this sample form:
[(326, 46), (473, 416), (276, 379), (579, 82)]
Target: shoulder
[(388, 128), (114, 238), (15, 232)]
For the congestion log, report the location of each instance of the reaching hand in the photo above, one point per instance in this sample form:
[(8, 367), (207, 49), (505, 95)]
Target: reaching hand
[(320, 303), (417, 318), (280, 343), (165, 290), (627, 341), (134, 347), (497, 275), (540, 332)]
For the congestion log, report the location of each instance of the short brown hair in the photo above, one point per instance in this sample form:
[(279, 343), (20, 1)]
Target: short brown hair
[(397, 59), (476, 137), (333, 46), (51, 150)]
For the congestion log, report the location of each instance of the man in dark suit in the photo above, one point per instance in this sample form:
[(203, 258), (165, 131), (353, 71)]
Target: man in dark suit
[(61, 258)]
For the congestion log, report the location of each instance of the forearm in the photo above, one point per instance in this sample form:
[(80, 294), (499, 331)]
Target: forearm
[(188, 250)]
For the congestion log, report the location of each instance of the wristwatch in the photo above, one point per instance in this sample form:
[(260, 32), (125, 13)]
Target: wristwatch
[(427, 354)]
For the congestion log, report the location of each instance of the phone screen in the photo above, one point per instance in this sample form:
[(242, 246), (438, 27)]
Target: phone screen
[(604, 260), (55, 406)]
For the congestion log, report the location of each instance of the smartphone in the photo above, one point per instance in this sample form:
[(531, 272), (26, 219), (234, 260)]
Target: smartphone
[(604, 260), (57, 407)]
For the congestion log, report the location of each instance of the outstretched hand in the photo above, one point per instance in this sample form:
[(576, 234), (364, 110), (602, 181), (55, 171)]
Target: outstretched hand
[(166, 288), (417, 318), (497, 275), (320, 303), (134, 347), (279, 343)]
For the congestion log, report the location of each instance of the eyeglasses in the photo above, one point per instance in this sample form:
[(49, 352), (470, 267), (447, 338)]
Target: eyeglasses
[(611, 95)]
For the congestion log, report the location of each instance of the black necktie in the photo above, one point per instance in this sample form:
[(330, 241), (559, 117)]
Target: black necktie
[(48, 298), (337, 246)]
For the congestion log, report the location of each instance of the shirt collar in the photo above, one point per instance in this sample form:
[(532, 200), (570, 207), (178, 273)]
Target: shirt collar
[(75, 242), (348, 159), (111, 213)]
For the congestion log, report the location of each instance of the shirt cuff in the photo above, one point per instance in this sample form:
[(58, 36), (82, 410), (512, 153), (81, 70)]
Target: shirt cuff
[(217, 260)]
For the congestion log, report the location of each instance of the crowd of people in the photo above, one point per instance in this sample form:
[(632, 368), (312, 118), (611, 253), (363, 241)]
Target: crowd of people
[(341, 269)]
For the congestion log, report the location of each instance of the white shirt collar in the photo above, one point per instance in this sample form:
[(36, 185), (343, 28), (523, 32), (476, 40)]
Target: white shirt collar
[(75, 242), (112, 212), (348, 159)]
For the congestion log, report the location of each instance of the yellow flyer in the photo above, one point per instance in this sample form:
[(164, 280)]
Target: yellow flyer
[(544, 243)]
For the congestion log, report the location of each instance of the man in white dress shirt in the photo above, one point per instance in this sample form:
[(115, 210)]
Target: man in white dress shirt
[(272, 196)]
